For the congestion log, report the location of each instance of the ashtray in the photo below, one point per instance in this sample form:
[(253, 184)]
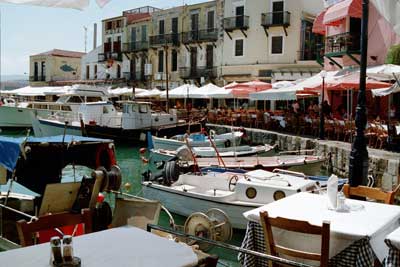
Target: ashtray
[(76, 262)]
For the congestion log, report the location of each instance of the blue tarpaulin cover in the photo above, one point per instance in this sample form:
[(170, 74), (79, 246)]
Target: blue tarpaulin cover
[(10, 147)]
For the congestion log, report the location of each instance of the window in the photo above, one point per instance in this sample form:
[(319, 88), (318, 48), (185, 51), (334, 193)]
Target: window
[(174, 60), (278, 12), (210, 20), (277, 45), (118, 71), (108, 25), (144, 32), (161, 29), (35, 71), (87, 72), (239, 43), (43, 71), (161, 61), (95, 72)]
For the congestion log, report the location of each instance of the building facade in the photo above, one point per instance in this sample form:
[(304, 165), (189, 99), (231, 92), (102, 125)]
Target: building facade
[(216, 41), (54, 67), (269, 40)]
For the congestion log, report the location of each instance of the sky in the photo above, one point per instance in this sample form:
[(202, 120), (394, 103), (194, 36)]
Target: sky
[(28, 30)]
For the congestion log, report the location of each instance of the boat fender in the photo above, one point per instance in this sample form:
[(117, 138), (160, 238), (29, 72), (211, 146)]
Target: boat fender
[(105, 156), (102, 217), (227, 143)]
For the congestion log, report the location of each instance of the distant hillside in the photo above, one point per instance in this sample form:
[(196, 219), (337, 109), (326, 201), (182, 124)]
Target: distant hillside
[(9, 82)]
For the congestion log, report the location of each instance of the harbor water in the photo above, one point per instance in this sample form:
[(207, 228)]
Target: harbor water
[(131, 164)]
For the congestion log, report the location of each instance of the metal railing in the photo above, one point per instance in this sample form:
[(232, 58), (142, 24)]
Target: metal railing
[(134, 76), (197, 72), (343, 42), (165, 39), (200, 36), (236, 23), (135, 46), (117, 56), (271, 19)]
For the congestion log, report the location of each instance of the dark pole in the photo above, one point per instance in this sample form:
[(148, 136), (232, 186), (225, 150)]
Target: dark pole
[(321, 111), (166, 76), (358, 167)]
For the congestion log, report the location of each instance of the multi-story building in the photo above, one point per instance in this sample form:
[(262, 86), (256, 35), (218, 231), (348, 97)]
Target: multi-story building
[(201, 42), (269, 40), (112, 36), (136, 47), (164, 42), (55, 67)]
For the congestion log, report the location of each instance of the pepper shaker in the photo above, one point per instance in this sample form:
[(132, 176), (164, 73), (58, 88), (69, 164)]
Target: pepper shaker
[(55, 244), (68, 251)]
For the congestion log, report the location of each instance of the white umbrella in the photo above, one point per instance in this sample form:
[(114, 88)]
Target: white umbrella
[(395, 88), (153, 93), (125, 91), (390, 10), (183, 91), (383, 72), (74, 4)]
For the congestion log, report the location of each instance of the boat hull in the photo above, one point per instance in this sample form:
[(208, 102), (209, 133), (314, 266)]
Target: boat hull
[(186, 205), (44, 128), (16, 117)]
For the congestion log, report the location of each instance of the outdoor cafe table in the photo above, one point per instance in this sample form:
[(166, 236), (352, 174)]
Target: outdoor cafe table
[(357, 237), (124, 246), (393, 242)]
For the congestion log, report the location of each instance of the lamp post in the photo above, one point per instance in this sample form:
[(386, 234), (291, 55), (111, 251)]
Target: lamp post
[(321, 110), (358, 165)]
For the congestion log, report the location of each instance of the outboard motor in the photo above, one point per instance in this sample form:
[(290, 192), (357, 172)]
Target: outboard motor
[(171, 172)]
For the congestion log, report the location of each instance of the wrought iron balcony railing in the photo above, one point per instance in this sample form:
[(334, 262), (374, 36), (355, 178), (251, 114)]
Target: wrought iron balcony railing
[(135, 46), (200, 36), (134, 76), (348, 42), (272, 19), (165, 39), (236, 23), (197, 72), (117, 56)]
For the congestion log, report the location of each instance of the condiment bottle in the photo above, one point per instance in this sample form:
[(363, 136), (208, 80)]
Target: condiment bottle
[(68, 251), (55, 244)]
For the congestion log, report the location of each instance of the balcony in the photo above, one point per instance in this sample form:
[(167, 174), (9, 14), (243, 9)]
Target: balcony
[(236, 23), (165, 39), (117, 56), (208, 35), (198, 72), (134, 76), (37, 78), (135, 46), (274, 19), (339, 45)]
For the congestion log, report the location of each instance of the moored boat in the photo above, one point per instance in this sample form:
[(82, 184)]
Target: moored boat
[(231, 192)]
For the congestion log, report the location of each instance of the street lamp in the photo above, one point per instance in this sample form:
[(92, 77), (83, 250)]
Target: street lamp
[(321, 111)]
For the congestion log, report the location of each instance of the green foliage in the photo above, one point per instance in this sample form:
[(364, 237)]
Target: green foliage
[(393, 56)]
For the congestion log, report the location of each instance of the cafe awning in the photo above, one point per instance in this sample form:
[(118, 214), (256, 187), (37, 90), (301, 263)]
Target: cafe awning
[(318, 25), (395, 88), (336, 13)]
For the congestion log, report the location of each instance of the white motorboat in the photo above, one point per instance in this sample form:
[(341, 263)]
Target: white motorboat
[(183, 152), (101, 119), (197, 140), (18, 114), (233, 193)]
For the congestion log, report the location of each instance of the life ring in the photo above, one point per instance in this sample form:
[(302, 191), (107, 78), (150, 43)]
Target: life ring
[(227, 143), (105, 156)]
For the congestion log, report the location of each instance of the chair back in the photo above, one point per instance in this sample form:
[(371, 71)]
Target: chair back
[(370, 192), (135, 212), (299, 227), (48, 222)]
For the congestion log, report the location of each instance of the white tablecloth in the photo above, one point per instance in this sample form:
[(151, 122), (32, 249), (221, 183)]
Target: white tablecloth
[(281, 120), (374, 220), (125, 246), (394, 238)]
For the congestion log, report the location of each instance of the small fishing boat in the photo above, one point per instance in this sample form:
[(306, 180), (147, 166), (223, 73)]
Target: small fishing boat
[(197, 140), (183, 153), (307, 164), (231, 192)]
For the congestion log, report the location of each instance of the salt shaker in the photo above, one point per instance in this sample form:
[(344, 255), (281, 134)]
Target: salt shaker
[(341, 201), (55, 244), (68, 251)]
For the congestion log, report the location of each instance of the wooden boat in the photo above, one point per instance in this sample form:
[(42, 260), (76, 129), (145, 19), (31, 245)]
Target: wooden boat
[(183, 152), (231, 192), (301, 163)]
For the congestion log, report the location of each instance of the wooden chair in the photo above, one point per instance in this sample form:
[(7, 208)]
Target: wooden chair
[(49, 222), (371, 192), (299, 227)]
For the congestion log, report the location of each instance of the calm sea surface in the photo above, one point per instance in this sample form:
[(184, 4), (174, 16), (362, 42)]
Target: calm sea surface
[(131, 166)]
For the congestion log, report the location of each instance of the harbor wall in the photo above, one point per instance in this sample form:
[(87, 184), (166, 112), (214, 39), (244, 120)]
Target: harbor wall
[(384, 166)]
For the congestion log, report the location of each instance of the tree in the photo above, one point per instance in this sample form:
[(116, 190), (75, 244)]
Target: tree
[(393, 56)]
